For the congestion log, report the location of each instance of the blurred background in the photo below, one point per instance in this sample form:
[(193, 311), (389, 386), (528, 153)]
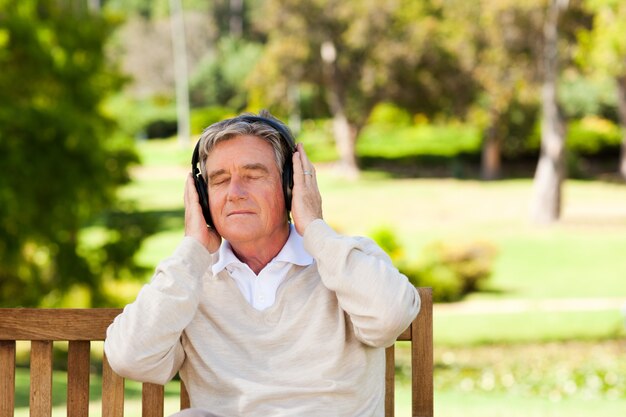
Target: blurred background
[(481, 143)]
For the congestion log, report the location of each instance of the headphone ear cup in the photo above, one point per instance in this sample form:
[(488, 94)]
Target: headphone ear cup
[(203, 196), (288, 183)]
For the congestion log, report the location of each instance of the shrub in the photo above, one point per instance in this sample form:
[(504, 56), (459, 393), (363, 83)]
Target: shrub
[(469, 263), (206, 116), (452, 270), (388, 114), (592, 135), (387, 240)]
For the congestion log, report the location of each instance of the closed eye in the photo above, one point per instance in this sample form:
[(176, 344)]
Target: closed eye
[(218, 177)]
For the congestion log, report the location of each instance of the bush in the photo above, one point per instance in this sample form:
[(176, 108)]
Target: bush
[(452, 270), (592, 135), (388, 114), (206, 116), (387, 240), (149, 118)]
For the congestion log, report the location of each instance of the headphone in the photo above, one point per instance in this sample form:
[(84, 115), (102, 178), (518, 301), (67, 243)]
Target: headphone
[(287, 178)]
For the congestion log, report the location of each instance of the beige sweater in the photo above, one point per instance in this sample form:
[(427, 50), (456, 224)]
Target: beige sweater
[(318, 351)]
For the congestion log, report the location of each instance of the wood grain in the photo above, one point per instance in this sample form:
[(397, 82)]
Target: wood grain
[(41, 378), (152, 400), (112, 391), (7, 378), (78, 363), (422, 357), (55, 324)]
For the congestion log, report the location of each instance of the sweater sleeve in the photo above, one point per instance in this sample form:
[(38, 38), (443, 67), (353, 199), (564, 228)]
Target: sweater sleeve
[(380, 301), (143, 342)]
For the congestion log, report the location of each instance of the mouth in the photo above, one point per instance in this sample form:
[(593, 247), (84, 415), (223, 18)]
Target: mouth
[(240, 213)]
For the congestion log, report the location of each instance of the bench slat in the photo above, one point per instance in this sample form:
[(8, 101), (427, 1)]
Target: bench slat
[(55, 324), (41, 378), (184, 396), (422, 357), (390, 380), (7, 378), (78, 362), (112, 391), (152, 400)]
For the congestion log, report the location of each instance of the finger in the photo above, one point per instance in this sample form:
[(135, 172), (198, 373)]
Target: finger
[(308, 170), (306, 162), (298, 175)]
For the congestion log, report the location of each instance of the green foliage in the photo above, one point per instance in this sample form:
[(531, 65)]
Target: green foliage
[(452, 270), (585, 96), (423, 139), (317, 137), (588, 136), (388, 241), (374, 52), (593, 135), (206, 116), (60, 159), (220, 79), (389, 114), (136, 117)]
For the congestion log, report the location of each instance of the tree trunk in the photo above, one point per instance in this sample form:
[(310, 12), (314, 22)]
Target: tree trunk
[(621, 101), (550, 173), (180, 71), (490, 163), (235, 24), (345, 132), (345, 135)]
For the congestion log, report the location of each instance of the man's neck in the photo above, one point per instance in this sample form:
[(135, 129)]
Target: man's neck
[(257, 254)]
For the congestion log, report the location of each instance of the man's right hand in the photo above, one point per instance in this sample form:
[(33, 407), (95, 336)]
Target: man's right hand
[(195, 224)]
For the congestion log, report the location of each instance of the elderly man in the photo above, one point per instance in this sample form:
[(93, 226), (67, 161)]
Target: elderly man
[(263, 317)]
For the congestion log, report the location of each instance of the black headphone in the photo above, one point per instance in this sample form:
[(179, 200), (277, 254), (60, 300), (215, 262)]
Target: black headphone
[(287, 180)]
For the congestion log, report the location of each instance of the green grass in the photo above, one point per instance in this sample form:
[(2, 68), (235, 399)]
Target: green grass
[(468, 404), (165, 152), (527, 326)]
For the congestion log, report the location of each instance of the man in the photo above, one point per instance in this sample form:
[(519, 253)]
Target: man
[(260, 316)]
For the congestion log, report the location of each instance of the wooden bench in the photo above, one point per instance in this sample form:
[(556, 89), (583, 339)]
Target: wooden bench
[(79, 327)]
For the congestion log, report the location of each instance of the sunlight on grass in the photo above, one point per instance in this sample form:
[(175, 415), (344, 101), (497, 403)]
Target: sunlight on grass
[(537, 326)]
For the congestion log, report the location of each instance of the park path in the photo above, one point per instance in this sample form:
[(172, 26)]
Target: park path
[(527, 305)]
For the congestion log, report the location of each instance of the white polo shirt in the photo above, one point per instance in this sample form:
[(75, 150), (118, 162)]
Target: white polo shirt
[(260, 290)]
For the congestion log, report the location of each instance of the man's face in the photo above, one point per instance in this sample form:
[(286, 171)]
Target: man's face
[(245, 190)]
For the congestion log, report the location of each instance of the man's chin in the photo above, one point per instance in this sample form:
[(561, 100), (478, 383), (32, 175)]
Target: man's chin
[(241, 230)]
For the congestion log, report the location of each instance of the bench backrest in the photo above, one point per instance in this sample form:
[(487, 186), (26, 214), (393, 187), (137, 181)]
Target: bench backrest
[(79, 327)]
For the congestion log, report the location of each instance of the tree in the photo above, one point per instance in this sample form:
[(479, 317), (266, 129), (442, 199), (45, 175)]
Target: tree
[(603, 51), (497, 42), (550, 173), (179, 48), (60, 161), (362, 53), (144, 47)]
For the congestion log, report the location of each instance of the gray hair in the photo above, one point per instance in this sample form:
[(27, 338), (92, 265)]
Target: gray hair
[(239, 126)]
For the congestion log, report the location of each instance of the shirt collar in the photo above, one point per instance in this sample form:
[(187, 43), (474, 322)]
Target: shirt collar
[(292, 252)]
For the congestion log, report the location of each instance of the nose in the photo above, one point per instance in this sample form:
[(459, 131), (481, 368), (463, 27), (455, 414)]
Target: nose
[(236, 189)]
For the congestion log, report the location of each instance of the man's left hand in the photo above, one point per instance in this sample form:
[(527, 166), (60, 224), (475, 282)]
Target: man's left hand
[(306, 202)]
